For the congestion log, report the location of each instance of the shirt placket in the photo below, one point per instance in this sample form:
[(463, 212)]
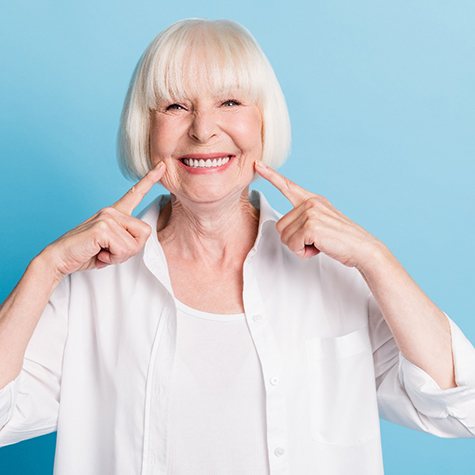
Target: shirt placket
[(274, 381), (155, 441), (155, 450)]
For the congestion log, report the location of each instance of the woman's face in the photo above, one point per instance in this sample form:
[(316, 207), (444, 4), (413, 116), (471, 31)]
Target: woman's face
[(209, 125)]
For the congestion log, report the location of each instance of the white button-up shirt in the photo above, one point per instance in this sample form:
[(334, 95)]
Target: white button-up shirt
[(98, 367)]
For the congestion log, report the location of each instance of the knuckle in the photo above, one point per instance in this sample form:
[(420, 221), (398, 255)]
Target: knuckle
[(134, 244), (120, 254), (102, 225), (136, 248), (143, 234), (311, 202), (108, 221), (123, 254), (147, 230), (324, 200), (315, 201), (308, 225)]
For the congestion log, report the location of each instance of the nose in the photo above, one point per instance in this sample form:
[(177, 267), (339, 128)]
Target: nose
[(203, 126)]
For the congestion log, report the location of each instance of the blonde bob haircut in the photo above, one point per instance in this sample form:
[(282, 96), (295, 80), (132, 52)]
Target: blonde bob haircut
[(220, 54)]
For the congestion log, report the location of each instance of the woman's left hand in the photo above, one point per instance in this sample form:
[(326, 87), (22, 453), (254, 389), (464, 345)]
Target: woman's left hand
[(315, 225)]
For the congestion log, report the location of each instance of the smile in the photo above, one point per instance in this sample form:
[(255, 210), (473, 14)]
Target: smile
[(194, 163), (208, 165)]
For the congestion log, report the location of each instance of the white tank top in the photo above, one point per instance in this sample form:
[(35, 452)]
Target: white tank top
[(216, 422)]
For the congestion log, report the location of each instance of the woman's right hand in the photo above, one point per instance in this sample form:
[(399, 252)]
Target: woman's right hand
[(111, 236)]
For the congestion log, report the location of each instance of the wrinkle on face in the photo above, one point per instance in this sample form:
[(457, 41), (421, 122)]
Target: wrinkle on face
[(209, 217)]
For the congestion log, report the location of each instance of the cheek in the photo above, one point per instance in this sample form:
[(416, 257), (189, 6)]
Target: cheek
[(161, 138), (249, 133)]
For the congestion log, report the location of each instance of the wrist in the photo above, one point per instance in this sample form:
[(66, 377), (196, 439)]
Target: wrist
[(375, 256), (45, 264)]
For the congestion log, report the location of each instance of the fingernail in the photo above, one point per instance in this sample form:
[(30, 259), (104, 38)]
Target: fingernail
[(154, 173), (260, 164), (158, 167)]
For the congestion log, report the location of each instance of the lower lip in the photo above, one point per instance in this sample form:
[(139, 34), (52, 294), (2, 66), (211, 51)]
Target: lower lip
[(206, 170)]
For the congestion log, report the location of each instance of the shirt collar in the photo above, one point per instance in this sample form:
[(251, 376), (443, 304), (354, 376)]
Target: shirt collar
[(153, 254)]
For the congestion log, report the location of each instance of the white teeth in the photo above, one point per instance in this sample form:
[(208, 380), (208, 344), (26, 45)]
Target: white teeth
[(208, 163)]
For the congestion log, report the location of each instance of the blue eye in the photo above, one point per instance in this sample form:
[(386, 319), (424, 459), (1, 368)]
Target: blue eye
[(232, 100), (172, 106), (229, 102)]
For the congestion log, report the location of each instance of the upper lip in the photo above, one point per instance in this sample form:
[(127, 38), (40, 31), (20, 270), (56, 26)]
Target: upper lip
[(206, 155)]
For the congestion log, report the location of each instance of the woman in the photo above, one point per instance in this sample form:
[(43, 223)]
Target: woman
[(212, 334)]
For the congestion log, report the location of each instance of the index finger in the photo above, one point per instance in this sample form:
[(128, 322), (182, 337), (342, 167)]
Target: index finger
[(293, 192), (136, 194)]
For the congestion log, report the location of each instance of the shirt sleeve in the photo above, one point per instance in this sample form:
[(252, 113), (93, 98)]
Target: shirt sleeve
[(409, 396), (29, 404)]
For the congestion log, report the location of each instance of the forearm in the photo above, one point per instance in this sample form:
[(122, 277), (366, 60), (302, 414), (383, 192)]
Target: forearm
[(420, 328), (20, 313)]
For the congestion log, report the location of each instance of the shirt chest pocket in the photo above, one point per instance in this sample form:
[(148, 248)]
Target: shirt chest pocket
[(342, 389)]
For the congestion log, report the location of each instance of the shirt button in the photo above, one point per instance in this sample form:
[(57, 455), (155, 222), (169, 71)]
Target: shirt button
[(279, 451), (153, 458), (257, 317), (274, 380)]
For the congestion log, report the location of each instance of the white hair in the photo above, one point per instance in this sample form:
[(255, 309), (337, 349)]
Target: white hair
[(226, 56)]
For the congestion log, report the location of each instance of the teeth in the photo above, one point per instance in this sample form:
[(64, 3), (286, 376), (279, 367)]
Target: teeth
[(208, 163)]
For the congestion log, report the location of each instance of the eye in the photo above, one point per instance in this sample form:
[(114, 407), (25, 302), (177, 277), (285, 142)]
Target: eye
[(174, 107), (232, 101)]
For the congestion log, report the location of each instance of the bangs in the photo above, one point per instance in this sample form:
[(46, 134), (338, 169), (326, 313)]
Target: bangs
[(197, 60), (192, 57)]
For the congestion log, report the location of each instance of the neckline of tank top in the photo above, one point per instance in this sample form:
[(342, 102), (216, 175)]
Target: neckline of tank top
[(219, 317)]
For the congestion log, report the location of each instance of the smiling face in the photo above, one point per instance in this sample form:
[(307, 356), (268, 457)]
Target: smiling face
[(209, 143)]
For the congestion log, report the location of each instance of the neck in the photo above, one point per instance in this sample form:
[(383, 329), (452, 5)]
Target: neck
[(213, 233)]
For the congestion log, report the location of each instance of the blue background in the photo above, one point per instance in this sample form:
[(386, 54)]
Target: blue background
[(382, 102)]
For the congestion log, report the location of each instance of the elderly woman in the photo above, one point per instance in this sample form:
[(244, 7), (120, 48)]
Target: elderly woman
[(212, 335)]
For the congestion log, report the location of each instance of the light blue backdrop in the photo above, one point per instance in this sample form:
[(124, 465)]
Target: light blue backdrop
[(382, 102)]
